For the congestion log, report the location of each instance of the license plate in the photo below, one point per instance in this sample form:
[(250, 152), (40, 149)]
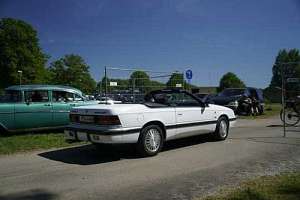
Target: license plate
[(86, 119), (82, 136)]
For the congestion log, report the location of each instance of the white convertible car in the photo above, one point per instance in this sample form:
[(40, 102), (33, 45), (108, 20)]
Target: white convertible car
[(166, 115)]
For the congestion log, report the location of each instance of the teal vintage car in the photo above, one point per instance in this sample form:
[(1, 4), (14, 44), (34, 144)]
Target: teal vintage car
[(32, 107)]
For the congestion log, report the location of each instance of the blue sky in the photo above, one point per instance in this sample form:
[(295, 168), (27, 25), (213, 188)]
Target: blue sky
[(211, 37)]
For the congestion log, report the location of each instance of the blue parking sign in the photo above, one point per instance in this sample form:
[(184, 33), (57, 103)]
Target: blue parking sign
[(189, 74)]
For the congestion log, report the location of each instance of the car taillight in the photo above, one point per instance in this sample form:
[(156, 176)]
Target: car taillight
[(74, 118), (107, 120)]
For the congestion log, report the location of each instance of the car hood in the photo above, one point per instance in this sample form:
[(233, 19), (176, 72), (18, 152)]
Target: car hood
[(223, 100)]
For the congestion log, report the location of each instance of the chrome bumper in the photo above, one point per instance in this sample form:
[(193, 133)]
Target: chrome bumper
[(96, 134)]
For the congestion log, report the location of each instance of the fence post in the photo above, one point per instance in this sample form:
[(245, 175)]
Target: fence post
[(105, 75), (283, 97), (133, 88)]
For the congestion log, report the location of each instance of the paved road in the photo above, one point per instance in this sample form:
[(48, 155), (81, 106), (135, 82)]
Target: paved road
[(186, 168)]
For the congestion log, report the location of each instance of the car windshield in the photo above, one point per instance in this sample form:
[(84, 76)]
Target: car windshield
[(232, 92), (11, 96)]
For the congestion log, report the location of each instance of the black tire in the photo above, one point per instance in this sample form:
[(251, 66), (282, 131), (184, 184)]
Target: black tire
[(291, 117), (144, 146), (261, 109), (220, 133), (3, 132)]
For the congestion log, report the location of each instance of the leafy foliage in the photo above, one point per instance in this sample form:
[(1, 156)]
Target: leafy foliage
[(140, 80), (230, 80), (176, 78), (290, 71), (123, 84), (72, 70), (287, 62), (20, 50)]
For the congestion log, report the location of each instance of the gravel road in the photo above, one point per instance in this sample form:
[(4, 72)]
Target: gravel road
[(186, 169)]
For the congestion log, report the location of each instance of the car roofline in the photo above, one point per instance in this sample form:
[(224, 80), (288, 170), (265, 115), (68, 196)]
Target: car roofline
[(44, 87)]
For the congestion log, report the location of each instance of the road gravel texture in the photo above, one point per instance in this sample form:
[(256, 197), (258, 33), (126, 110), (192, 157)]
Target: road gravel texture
[(186, 169)]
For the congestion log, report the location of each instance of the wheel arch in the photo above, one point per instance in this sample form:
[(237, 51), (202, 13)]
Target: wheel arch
[(3, 128), (226, 116), (158, 123)]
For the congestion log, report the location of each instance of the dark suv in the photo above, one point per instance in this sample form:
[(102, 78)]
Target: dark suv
[(233, 98)]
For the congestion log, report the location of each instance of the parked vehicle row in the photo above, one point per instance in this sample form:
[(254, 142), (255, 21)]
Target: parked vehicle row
[(164, 115), (243, 101)]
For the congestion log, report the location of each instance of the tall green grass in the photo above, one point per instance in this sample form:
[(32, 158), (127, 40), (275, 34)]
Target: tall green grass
[(279, 187), (34, 141)]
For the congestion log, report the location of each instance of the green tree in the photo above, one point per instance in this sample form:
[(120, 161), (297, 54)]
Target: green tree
[(140, 80), (20, 50), (156, 85), (176, 78), (230, 80), (287, 61), (122, 84), (102, 83), (72, 70), (291, 70)]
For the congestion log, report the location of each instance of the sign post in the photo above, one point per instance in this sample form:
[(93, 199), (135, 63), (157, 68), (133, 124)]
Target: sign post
[(189, 75)]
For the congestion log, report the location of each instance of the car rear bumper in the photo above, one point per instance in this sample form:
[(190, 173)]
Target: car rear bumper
[(101, 135)]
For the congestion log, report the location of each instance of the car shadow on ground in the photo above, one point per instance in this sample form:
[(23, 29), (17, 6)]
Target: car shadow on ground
[(90, 154), (37, 194)]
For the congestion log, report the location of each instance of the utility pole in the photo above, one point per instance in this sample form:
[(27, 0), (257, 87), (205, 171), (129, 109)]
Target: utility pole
[(20, 77), (133, 88), (105, 75), (283, 96)]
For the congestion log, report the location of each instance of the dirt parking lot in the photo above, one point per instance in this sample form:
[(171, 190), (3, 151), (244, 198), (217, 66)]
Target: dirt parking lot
[(186, 169)]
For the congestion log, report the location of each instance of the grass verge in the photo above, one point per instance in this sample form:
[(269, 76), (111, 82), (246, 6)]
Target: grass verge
[(279, 187), (270, 111), (33, 141)]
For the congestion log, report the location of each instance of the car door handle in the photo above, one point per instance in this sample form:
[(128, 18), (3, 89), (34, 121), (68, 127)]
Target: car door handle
[(47, 104), (180, 114), (72, 104)]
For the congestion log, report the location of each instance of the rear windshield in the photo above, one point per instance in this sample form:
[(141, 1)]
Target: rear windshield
[(11, 96), (232, 92)]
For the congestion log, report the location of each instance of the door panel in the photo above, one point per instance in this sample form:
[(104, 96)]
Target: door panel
[(61, 113), (62, 102), (192, 118), (7, 115), (33, 115), (36, 113)]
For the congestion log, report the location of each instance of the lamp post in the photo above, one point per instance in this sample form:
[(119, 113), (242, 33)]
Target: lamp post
[(20, 76)]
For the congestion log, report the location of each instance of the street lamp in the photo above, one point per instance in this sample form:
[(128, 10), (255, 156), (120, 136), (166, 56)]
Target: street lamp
[(20, 76)]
